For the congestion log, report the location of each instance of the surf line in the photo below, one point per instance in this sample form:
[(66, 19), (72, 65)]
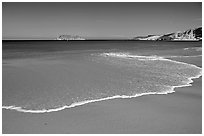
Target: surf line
[(154, 57), (182, 56), (170, 90), (20, 109)]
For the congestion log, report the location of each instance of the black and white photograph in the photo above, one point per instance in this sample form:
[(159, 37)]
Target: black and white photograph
[(102, 67)]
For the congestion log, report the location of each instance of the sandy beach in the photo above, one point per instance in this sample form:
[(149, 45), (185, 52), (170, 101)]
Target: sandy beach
[(179, 112), (101, 67)]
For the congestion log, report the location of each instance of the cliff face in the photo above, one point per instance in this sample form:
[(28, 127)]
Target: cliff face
[(188, 35), (149, 37), (70, 37), (198, 33)]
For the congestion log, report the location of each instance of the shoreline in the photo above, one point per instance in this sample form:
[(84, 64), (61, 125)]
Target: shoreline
[(171, 90), (155, 114), (175, 113)]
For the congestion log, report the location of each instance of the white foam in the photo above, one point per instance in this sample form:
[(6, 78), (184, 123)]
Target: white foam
[(20, 109), (127, 55), (194, 48), (171, 90), (182, 56), (124, 55)]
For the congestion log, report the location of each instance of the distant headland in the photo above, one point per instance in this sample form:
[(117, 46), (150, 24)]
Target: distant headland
[(194, 34)]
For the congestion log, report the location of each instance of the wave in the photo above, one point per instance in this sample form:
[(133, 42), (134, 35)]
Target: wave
[(153, 57), (170, 89), (20, 109), (127, 55), (194, 48), (182, 56)]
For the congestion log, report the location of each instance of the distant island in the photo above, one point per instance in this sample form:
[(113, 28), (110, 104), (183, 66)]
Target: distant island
[(70, 37), (188, 35)]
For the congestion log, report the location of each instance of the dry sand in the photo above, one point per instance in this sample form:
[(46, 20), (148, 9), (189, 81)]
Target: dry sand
[(179, 112)]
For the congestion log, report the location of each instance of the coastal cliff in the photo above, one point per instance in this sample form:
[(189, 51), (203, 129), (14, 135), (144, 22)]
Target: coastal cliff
[(188, 35)]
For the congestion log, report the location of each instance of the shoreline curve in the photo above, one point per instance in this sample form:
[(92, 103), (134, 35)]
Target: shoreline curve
[(171, 90)]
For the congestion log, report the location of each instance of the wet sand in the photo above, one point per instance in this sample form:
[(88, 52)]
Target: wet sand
[(179, 112)]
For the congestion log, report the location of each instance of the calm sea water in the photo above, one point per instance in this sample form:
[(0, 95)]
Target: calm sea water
[(46, 76)]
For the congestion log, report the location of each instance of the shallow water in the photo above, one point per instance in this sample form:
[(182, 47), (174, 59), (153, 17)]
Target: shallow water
[(39, 80)]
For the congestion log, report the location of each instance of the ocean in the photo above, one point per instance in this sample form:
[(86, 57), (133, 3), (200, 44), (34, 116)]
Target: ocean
[(47, 76)]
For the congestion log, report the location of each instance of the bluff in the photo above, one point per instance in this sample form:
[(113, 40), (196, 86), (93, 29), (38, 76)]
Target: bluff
[(188, 35)]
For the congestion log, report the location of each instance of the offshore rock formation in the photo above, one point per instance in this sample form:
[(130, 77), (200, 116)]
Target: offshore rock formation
[(70, 37), (188, 35)]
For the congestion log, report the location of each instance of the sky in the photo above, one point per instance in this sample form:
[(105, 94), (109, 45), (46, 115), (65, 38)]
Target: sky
[(48, 20)]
